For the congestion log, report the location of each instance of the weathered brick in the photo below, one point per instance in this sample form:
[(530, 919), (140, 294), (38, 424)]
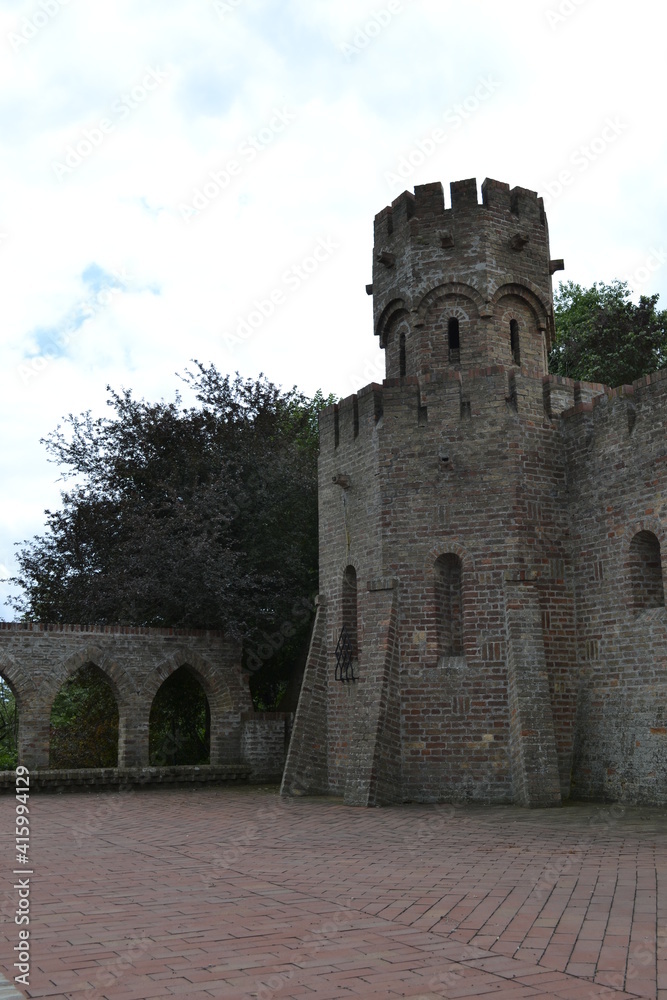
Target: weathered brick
[(549, 661)]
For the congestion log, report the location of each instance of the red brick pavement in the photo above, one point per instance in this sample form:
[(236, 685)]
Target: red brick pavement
[(232, 893)]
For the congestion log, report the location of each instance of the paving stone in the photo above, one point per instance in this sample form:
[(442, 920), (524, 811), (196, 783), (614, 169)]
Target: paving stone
[(327, 903)]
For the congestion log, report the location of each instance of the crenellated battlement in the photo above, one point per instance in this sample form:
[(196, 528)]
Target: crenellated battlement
[(409, 212), (485, 265), (623, 423), (442, 398), (438, 400), (648, 388)]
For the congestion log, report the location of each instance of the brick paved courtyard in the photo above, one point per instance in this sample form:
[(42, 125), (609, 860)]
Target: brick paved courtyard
[(232, 893)]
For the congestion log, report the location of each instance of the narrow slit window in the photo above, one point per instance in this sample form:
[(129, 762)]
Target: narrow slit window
[(449, 605), (514, 342), (454, 338), (401, 356)]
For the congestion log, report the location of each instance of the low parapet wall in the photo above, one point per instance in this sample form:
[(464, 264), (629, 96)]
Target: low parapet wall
[(123, 778)]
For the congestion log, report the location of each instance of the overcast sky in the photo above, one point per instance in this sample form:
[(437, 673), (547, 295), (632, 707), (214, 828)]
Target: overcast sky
[(169, 165)]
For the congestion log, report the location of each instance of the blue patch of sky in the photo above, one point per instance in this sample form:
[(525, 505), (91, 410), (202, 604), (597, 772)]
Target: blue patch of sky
[(54, 341), (208, 90)]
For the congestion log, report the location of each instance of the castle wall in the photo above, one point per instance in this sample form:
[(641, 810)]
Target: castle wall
[(477, 519), (427, 478), (350, 536), (617, 480)]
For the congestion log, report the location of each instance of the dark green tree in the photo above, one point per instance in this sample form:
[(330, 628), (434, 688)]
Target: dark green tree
[(197, 517), (602, 336)]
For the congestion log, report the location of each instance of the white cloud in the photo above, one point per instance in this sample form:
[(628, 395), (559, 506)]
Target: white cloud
[(323, 175)]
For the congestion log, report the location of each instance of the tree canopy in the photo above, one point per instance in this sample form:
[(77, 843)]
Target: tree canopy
[(200, 517), (602, 336)]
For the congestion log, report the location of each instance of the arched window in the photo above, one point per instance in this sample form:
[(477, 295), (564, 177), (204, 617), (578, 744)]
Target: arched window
[(514, 342), (350, 617), (648, 589), (401, 356), (454, 338), (449, 605)]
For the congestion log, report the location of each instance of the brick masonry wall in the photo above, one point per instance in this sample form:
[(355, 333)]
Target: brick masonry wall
[(535, 486), (442, 483), (617, 480), (263, 744), (36, 660)]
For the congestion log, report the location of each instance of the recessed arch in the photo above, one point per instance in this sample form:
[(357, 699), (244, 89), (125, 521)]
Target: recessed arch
[(397, 308), (531, 297), (452, 290), (645, 571), (525, 289)]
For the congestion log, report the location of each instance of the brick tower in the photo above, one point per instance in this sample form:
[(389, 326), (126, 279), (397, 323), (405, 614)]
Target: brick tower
[(448, 573)]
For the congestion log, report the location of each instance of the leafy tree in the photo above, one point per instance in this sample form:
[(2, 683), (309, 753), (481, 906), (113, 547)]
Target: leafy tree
[(9, 724), (84, 722), (199, 517), (602, 336)]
